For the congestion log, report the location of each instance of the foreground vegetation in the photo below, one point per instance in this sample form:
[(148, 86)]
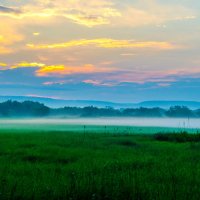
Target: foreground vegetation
[(105, 165)]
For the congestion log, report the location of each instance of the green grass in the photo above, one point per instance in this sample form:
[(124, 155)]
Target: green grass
[(182, 136), (116, 164)]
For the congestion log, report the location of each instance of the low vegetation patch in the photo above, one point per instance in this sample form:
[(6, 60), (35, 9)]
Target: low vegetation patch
[(177, 137), (127, 143)]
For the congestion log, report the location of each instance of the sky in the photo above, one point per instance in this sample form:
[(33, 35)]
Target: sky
[(109, 50)]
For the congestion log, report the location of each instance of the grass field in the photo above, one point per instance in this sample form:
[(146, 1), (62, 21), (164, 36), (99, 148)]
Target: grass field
[(116, 163)]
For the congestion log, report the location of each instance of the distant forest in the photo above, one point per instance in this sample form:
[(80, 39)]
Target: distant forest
[(35, 109)]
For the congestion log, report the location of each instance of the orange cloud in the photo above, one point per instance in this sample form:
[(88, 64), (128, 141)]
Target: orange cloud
[(60, 70), (87, 13), (56, 70), (3, 66), (102, 12), (36, 33), (8, 36), (5, 50), (94, 18), (107, 76), (106, 43), (27, 64)]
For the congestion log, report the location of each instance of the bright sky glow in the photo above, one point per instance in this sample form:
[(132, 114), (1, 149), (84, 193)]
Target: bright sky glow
[(114, 50)]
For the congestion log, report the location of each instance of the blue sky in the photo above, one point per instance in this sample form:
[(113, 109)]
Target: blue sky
[(123, 51)]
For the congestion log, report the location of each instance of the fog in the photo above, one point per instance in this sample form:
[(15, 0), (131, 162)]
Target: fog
[(145, 122)]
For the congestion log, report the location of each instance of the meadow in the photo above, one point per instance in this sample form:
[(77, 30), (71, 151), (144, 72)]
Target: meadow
[(99, 162)]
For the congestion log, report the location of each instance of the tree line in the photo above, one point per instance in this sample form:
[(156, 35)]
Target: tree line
[(35, 109)]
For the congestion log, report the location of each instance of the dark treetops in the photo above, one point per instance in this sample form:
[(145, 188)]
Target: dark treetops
[(35, 109)]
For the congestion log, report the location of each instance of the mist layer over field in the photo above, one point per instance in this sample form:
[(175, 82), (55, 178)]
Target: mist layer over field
[(79, 123)]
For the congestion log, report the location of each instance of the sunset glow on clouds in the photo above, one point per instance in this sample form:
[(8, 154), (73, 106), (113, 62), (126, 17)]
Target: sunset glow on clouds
[(8, 36), (42, 69), (99, 43), (102, 75), (61, 70), (106, 43)]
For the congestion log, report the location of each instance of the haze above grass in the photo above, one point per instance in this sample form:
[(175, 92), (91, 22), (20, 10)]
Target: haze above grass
[(91, 123)]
